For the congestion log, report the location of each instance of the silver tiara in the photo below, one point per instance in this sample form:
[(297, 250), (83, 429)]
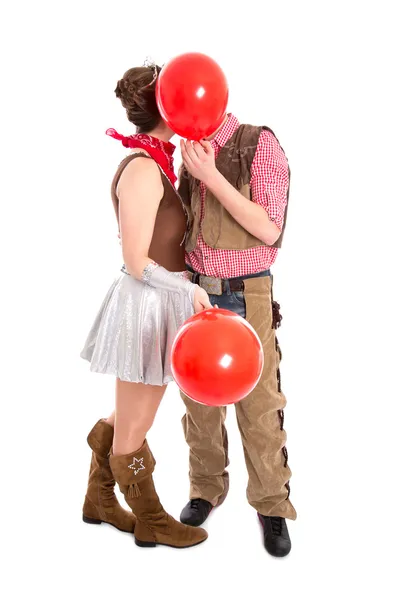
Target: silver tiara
[(150, 64)]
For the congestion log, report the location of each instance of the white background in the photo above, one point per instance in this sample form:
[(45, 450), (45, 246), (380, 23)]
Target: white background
[(324, 76)]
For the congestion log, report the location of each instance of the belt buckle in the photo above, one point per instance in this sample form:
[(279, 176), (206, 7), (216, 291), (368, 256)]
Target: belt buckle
[(211, 285)]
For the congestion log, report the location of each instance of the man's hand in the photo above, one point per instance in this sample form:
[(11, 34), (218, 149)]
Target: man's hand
[(199, 160)]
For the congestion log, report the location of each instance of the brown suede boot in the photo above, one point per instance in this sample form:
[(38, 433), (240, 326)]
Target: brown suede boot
[(133, 472), (101, 504)]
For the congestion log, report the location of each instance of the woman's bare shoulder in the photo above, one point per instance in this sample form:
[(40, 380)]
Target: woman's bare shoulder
[(140, 170)]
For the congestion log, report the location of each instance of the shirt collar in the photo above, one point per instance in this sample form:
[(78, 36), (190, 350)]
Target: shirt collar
[(226, 131)]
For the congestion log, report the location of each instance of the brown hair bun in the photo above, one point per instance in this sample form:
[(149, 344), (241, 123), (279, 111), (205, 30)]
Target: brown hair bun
[(136, 90)]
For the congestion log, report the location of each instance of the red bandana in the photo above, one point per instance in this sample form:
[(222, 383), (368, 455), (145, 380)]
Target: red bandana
[(160, 151)]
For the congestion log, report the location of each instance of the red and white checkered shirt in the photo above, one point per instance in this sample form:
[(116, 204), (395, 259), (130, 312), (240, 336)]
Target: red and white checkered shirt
[(269, 183)]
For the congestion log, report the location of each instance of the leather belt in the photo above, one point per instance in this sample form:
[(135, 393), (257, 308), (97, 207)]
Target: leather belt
[(215, 286)]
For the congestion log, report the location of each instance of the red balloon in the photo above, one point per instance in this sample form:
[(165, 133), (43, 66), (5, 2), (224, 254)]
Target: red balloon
[(217, 357), (192, 95)]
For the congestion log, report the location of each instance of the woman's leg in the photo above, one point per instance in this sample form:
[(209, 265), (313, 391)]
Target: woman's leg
[(135, 408), (101, 504), (132, 464), (111, 419), (123, 431)]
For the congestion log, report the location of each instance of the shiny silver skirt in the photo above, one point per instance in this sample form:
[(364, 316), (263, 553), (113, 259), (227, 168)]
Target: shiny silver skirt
[(132, 335)]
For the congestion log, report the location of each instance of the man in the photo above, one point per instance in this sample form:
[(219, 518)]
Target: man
[(236, 190)]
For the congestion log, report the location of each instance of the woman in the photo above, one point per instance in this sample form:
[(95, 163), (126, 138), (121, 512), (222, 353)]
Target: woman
[(133, 332)]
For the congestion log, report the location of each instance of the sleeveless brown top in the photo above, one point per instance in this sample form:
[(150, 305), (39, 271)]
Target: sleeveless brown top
[(167, 245)]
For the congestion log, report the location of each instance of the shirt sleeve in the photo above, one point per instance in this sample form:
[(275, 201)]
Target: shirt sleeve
[(270, 177)]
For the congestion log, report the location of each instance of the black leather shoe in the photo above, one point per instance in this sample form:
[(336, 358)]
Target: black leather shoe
[(276, 536), (196, 512)]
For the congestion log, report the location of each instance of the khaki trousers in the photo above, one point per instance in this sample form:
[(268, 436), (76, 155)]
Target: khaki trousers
[(260, 421)]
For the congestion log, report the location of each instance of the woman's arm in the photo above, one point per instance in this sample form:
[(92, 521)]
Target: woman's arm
[(140, 191)]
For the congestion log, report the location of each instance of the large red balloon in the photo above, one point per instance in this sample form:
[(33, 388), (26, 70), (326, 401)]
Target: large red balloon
[(192, 95), (217, 357)]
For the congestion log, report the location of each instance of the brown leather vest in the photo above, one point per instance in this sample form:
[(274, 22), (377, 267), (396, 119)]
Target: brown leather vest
[(219, 228), (167, 247)]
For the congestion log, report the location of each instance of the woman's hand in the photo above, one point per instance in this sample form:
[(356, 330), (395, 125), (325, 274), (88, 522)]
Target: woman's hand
[(201, 300)]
